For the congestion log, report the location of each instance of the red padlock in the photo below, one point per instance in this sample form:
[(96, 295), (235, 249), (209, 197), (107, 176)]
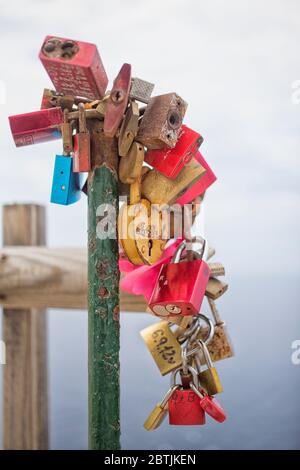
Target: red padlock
[(170, 161), (180, 287), (75, 67), (184, 404), (201, 185), (36, 127), (117, 101), (210, 405), (185, 408)]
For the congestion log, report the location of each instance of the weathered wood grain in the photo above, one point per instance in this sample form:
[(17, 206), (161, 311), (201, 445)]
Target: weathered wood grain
[(43, 277), (24, 333)]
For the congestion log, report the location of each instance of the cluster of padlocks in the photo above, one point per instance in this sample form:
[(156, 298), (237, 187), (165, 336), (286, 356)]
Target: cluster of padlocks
[(162, 172), (184, 343)]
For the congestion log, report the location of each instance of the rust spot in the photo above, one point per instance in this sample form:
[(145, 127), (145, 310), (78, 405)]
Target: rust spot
[(103, 292), (3, 257), (115, 425), (116, 313), (102, 269), (2, 296)]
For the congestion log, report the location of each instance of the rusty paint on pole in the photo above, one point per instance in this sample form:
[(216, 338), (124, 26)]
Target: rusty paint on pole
[(103, 296)]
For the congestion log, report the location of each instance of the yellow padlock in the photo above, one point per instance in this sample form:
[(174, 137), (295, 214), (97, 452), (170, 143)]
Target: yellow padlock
[(159, 189), (130, 167), (209, 378), (139, 239)]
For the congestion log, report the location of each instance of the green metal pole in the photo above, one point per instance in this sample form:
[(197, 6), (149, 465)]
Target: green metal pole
[(103, 296)]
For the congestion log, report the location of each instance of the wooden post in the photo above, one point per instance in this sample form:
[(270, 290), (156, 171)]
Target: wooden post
[(103, 296), (24, 333)]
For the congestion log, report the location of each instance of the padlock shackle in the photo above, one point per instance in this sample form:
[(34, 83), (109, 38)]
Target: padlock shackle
[(177, 255), (197, 391), (184, 244), (192, 332), (82, 118), (204, 245), (66, 115), (168, 395), (190, 369), (206, 354)]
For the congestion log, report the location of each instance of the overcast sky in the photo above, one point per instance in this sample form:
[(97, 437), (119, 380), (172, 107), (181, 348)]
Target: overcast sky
[(234, 62), (234, 65)]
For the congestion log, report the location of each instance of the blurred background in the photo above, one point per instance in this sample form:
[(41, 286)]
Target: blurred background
[(237, 65)]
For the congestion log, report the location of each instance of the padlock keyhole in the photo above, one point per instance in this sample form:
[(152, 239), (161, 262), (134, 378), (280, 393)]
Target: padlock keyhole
[(150, 245), (117, 96), (174, 120)]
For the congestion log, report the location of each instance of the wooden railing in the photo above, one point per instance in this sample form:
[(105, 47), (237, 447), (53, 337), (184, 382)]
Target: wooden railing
[(32, 279)]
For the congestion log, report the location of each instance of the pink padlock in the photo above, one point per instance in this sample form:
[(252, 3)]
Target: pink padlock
[(140, 280)]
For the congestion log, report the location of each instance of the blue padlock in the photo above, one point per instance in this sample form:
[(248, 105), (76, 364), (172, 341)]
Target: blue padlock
[(66, 185)]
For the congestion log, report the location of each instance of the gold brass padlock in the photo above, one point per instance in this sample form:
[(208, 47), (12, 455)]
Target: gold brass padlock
[(101, 107), (216, 269), (135, 230), (126, 218), (220, 347), (159, 189), (129, 128), (215, 288), (149, 242), (130, 167), (163, 346), (209, 378), (182, 322), (160, 411)]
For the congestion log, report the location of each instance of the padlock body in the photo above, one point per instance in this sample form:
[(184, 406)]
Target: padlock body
[(220, 347), (185, 408), (213, 408), (180, 288), (209, 379), (82, 153), (79, 74), (170, 161), (156, 417), (36, 127), (163, 345), (162, 120), (159, 189), (141, 90), (201, 185), (66, 185), (116, 107), (215, 288)]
